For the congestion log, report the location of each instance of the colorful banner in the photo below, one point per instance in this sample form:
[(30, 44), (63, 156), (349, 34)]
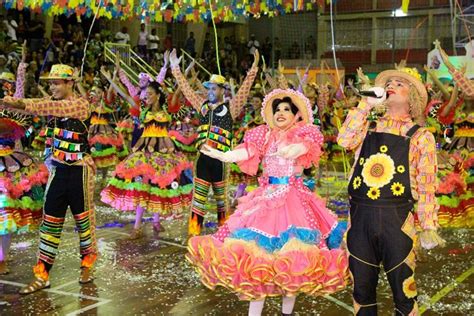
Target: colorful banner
[(165, 10)]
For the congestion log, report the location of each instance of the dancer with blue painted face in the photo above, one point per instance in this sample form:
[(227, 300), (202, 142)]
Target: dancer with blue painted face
[(216, 119)]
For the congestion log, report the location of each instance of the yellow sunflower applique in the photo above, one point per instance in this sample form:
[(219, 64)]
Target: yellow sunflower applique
[(400, 169), (378, 170), (356, 183), (409, 287), (397, 188), (383, 149), (374, 193), (361, 161)]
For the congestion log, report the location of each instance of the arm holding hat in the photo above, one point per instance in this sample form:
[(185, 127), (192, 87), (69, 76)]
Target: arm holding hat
[(237, 103), (193, 98)]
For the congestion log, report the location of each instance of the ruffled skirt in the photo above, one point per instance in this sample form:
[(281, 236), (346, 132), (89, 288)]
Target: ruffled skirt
[(22, 184), (274, 244), (107, 146), (156, 182)]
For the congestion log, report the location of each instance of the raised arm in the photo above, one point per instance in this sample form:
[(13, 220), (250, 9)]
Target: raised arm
[(438, 83), (195, 100), (20, 75), (117, 88), (282, 82), (355, 126), (162, 75), (237, 103), (466, 85), (20, 80)]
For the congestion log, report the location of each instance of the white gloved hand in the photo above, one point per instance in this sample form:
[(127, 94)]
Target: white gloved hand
[(429, 239), (292, 151), (230, 156), (379, 91)]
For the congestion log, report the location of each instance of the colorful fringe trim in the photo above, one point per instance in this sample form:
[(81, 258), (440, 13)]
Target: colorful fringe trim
[(253, 274), (128, 196)]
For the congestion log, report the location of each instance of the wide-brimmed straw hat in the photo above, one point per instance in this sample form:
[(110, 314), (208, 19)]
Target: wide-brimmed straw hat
[(409, 74), (299, 100), (60, 71)]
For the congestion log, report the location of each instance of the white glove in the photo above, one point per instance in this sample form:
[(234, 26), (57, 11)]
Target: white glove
[(429, 239), (230, 156), (379, 91), (292, 151)]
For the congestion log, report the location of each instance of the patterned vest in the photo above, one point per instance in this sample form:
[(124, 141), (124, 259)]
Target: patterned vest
[(215, 127), (381, 173), (67, 139)]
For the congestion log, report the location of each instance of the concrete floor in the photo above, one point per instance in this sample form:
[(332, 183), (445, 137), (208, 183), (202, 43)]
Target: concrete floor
[(152, 277)]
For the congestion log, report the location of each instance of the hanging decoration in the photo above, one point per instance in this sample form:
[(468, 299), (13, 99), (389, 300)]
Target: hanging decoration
[(166, 10)]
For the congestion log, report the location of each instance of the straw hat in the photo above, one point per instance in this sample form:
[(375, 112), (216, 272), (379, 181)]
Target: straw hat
[(7, 76), (409, 74), (215, 79), (299, 100), (60, 71)]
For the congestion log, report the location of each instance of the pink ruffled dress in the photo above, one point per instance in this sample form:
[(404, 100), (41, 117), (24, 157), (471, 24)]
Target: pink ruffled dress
[(275, 242)]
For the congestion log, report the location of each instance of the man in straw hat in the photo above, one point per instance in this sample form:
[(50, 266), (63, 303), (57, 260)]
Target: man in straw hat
[(72, 177), (394, 176), (216, 119)]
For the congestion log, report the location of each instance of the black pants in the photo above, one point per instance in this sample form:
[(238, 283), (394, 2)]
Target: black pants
[(209, 169), (68, 186), (382, 236), (209, 172)]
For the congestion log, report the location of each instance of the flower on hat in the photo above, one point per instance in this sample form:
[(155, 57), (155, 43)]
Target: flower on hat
[(412, 72)]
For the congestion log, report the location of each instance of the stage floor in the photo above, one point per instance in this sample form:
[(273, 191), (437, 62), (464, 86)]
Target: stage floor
[(152, 277)]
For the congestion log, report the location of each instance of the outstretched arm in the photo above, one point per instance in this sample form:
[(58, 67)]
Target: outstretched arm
[(237, 103), (20, 75), (162, 75), (195, 100), (117, 88)]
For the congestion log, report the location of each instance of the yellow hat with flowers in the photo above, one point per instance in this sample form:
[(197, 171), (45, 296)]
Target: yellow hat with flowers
[(216, 79), (60, 71), (409, 74)]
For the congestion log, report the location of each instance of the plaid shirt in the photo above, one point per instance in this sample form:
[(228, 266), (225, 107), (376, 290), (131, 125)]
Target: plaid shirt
[(421, 156), (236, 104), (77, 108)]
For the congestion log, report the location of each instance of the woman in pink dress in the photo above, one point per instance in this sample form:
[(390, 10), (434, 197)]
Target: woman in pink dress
[(275, 242)]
